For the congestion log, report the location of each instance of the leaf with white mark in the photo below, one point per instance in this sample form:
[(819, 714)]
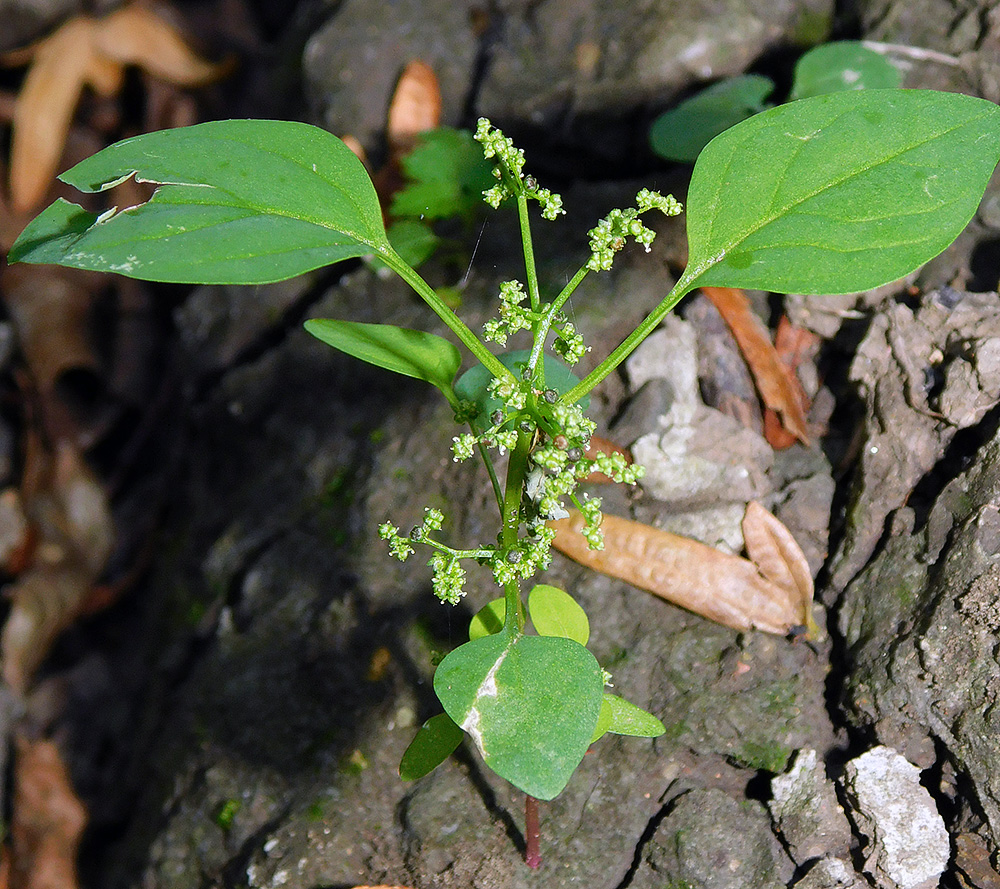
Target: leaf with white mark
[(530, 704)]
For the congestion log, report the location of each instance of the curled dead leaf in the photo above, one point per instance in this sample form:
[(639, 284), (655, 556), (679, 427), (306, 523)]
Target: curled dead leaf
[(134, 35), (48, 819), (775, 552), (779, 388), (75, 535), (62, 65), (725, 588)]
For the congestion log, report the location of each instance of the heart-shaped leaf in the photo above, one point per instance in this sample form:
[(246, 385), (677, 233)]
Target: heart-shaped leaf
[(431, 746), (530, 704), (412, 353), (554, 612), (237, 202), (839, 193)]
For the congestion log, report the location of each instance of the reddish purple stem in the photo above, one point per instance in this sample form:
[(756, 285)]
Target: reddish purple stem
[(532, 832)]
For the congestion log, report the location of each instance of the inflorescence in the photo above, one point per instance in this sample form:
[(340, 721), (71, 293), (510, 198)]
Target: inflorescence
[(560, 457)]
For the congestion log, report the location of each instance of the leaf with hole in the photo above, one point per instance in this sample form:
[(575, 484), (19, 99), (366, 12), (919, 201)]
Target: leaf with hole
[(839, 193), (412, 353), (530, 704), (236, 202), (432, 745), (554, 612)]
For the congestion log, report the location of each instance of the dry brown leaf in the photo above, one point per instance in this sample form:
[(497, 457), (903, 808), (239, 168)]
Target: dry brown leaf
[(48, 820), (133, 35), (51, 309), (725, 588), (70, 513), (86, 52), (772, 548), (16, 537), (794, 346), (415, 107), (45, 107), (779, 389)]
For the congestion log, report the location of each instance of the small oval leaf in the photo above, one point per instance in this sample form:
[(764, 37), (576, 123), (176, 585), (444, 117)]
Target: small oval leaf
[(432, 745), (681, 133), (628, 719), (842, 65), (488, 620), (554, 612), (839, 193), (412, 353), (236, 202)]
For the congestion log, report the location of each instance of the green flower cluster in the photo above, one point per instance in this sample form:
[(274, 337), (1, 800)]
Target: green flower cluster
[(509, 170), (610, 235)]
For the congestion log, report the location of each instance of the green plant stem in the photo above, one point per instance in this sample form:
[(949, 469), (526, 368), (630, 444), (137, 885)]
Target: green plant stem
[(485, 455), (648, 325), (441, 309), (550, 313), (517, 472), (529, 252)]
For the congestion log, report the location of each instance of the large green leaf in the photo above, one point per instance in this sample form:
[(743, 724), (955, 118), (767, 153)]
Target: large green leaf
[(839, 193), (530, 704), (412, 353), (237, 201)]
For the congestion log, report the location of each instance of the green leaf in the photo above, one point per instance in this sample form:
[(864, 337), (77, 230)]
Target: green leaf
[(237, 202), (448, 175), (839, 193), (432, 745), (530, 704), (414, 241), (603, 720), (627, 719), (471, 386), (488, 620), (554, 612), (681, 133), (842, 65), (412, 353)]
